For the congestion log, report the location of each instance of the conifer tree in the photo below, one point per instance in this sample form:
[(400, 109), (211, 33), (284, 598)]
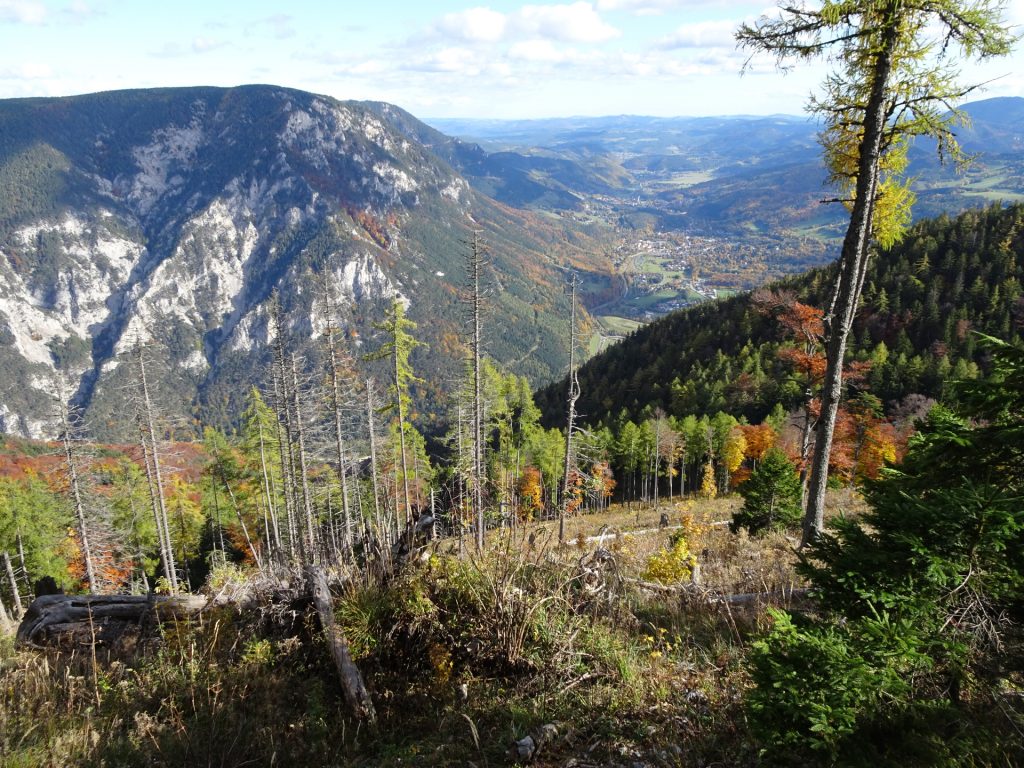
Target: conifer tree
[(895, 78), (771, 496), (397, 350)]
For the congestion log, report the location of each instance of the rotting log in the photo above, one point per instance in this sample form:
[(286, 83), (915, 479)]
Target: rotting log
[(354, 688), (52, 617)]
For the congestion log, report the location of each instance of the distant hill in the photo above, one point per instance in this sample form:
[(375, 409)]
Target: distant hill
[(922, 299), (172, 215), (739, 174)]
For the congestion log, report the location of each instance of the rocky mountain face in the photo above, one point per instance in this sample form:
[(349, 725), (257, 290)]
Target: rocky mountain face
[(169, 217)]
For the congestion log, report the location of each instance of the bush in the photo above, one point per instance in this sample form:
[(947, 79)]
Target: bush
[(771, 496), (671, 565)]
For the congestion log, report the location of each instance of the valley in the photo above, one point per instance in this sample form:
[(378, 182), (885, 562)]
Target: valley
[(704, 207), (177, 214), (597, 384)]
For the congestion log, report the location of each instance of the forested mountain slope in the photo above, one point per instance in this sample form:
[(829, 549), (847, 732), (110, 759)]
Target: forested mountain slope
[(921, 301), (171, 216)]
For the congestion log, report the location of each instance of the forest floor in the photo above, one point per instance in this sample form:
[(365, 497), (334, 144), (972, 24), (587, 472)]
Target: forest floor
[(580, 647)]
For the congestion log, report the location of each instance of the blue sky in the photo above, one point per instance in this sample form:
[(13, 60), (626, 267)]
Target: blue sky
[(443, 58)]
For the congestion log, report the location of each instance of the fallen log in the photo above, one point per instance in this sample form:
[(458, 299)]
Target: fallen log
[(718, 598), (51, 618), (747, 598), (352, 684)]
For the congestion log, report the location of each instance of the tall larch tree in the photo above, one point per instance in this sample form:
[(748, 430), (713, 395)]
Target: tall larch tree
[(893, 77), (397, 350)]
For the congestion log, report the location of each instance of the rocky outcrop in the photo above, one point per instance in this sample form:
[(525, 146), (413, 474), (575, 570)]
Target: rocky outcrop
[(170, 216)]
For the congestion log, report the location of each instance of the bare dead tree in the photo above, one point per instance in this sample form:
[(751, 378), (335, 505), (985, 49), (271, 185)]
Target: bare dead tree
[(475, 262), (6, 622), (71, 465), (311, 544), (283, 405), (269, 493), (573, 396), (374, 471), (336, 362), (151, 456), (15, 594)]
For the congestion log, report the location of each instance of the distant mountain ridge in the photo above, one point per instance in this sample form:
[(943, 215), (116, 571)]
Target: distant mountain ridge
[(734, 173), (172, 215)]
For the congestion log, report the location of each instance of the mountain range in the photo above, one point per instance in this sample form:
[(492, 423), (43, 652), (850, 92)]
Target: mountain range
[(170, 217), (738, 174)]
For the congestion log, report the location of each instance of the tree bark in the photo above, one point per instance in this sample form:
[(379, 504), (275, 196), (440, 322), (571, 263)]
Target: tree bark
[(6, 622), (478, 410), (401, 432), (76, 491), (336, 400), (307, 497), (156, 479), (378, 523)]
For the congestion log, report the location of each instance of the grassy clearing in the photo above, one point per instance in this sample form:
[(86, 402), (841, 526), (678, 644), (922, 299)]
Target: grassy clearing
[(617, 326), (463, 657)]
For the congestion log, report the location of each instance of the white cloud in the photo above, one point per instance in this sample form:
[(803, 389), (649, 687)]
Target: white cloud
[(206, 44), (701, 34), (22, 11), (168, 51), (658, 7), (478, 25), (639, 7), (455, 59), (27, 71), (577, 23), (540, 51), (279, 25)]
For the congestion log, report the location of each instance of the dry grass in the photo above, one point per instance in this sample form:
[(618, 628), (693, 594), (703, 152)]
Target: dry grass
[(462, 656)]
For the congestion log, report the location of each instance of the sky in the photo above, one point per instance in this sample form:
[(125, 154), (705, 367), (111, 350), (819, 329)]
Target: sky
[(435, 58)]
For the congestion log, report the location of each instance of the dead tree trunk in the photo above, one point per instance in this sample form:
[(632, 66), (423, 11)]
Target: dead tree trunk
[(475, 265), (286, 441), (15, 595), (352, 685), (378, 522), (574, 394), (339, 438), (307, 496), (6, 622), (153, 474), (274, 542), (71, 464)]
